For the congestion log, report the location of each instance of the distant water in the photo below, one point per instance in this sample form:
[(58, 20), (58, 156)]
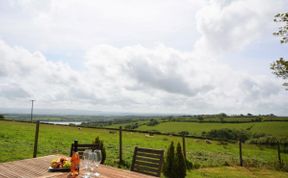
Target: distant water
[(61, 123)]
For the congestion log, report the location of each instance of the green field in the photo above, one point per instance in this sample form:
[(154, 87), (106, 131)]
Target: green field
[(277, 129), (17, 138), (236, 172)]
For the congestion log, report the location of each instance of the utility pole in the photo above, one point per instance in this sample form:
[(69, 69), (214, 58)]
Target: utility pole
[(32, 110)]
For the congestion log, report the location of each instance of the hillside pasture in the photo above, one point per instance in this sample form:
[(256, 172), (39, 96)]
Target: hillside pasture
[(277, 129), (55, 139)]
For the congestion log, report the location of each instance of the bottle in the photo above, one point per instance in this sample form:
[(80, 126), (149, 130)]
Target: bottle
[(75, 161)]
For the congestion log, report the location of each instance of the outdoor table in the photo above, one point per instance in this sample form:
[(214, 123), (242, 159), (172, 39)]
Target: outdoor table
[(38, 167)]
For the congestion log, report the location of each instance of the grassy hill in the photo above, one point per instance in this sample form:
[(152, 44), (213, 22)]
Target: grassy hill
[(17, 138), (277, 129)]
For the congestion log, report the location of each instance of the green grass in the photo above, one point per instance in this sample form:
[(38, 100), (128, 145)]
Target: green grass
[(277, 129), (235, 172), (17, 139)]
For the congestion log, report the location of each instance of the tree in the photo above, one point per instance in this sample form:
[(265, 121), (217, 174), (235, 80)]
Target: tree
[(2, 117), (180, 166), (132, 126), (152, 122), (200, 118), (174, 164), (283, 31), (249, 114), (169, 162), (280, 66)]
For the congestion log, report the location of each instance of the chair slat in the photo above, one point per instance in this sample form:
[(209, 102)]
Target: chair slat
[(146, 170), (148, 155), (148, 150), (147, 161), (153, 166)]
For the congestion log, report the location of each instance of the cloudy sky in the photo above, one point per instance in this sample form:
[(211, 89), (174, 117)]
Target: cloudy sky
[(152, 56)]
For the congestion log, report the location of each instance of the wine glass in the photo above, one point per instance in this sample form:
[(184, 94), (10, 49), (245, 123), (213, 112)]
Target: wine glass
[(86, 162), (92, 166), (98, 159)]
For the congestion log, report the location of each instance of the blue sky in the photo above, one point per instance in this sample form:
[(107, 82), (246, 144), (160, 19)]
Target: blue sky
[(153, 56)]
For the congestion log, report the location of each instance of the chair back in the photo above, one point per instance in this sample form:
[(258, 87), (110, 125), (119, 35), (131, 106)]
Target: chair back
[(82, 147), (147, 161)]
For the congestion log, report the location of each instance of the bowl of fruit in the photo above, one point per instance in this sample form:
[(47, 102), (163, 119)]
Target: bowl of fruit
[(62, 164)]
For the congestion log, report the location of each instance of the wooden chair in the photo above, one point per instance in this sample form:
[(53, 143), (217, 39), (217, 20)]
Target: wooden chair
[(147, 161), (82, 147)]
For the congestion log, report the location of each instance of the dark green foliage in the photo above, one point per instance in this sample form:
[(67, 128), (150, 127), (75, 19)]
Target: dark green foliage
[(180, 166), (271, 141), (257, 119), (184, 133), (200, 118), (2, 117), (101, 147), (153, 122), (228, 134), (174, 163), (282, 31), (280, 66), (189, 165), (132, 126), (169, 162), (222, 115)]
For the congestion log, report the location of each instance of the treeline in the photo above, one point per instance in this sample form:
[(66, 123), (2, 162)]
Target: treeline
[(106, 120), (2, 117), (134, 122), (224, 118), (128, 123), (246, 136)]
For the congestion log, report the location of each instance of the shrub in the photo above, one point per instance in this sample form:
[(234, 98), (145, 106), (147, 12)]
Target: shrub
[(132, 126), (189, 164), (175, 163), (2, 117), (228, 134), (180, 166), (268, 140), (101, 147), (196, 166), (152, 122), (168, 167)]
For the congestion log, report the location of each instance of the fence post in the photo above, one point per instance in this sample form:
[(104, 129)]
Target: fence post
[(240, 152), (184, 146), (36, 139), (279, 154), (120, 145)]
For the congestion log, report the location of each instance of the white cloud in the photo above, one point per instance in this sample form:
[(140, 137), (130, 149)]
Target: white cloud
[(81, 24), (140, 79), (118, 74), (232, 25)]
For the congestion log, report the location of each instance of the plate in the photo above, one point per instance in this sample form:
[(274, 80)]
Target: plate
[(50, 169)]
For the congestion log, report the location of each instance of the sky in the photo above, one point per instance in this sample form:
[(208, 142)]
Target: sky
[(152, 56)]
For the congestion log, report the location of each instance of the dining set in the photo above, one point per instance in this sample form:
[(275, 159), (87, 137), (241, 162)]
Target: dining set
[(146, 163)]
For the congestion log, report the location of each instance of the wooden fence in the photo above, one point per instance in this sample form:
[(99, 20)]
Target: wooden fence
[(280, 161)]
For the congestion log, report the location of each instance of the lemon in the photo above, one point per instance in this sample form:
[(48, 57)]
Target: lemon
[(67, 164)]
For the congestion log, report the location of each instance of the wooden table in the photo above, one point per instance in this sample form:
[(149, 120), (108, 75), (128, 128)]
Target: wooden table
[(38, 167)]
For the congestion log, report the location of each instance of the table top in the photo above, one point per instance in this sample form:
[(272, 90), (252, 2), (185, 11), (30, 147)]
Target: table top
[(38, 168)]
